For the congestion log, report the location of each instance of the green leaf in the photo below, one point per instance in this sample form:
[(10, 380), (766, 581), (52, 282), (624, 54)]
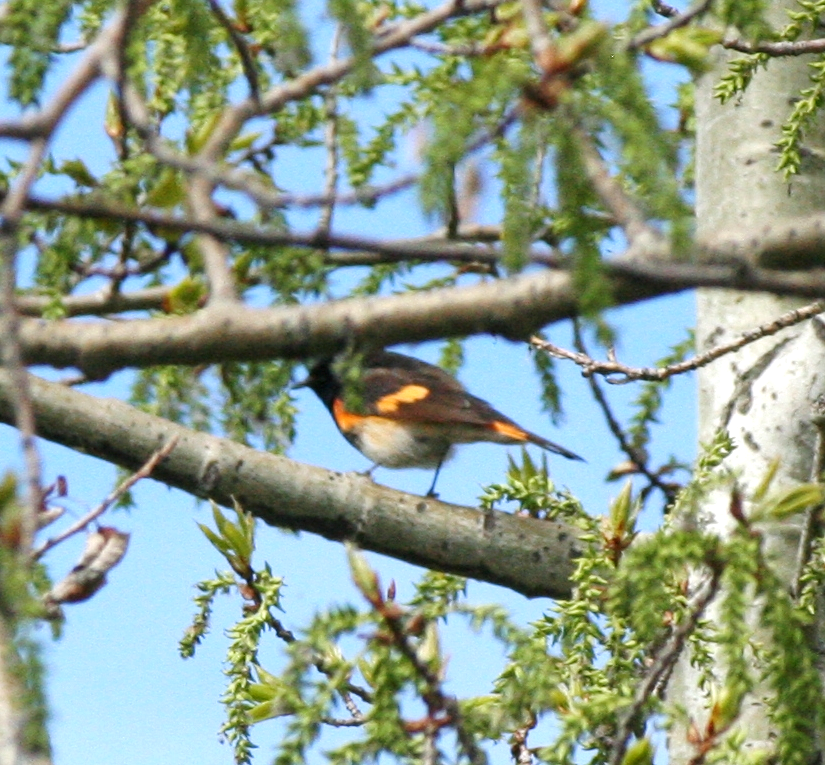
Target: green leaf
[(78, 172), (168, 190), (640, 752), (689, 46), (796, 500)]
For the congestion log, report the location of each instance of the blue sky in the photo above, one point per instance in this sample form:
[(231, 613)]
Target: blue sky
[(119, 691)]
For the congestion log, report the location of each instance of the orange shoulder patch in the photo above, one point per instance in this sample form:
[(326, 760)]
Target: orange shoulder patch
[(345, 420), (409, 394), (510, 431)]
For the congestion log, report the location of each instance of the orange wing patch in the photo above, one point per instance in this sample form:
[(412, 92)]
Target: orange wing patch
[(409, 394), (508, 430), (344, 419)]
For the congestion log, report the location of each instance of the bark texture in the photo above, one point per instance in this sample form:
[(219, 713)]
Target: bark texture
[(762, 395), (530, 556)]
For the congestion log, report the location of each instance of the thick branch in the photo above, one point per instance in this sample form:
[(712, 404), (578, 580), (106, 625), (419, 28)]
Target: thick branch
[(529, 556), (512, 308)]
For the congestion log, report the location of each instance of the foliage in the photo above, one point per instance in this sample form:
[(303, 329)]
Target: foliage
[(231, 140), (802, 20), (595, 664)]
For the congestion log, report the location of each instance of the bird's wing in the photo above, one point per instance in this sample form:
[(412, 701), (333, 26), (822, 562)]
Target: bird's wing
[(421, 395), (404, 389)]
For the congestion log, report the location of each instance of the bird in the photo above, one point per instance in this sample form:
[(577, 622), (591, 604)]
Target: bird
[(411, 413)]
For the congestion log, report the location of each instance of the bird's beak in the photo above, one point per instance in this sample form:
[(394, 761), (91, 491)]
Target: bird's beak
[(301, 383)]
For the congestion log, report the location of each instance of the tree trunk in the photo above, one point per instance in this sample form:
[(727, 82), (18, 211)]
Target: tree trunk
[(762, 395)]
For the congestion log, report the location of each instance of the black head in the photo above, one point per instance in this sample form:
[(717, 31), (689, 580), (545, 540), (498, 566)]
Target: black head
[(323, 381)]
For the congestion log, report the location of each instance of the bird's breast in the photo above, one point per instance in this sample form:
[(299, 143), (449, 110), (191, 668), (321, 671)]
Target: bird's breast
[(396, 444)]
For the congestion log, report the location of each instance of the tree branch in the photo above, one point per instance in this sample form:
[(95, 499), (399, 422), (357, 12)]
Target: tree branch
[(675, 21), (11, 357), (79, 525), (303, 85), (777, 48), (617, 373), (794, 243), (512, 308), (42, 123), (103, 301), (529, 556)]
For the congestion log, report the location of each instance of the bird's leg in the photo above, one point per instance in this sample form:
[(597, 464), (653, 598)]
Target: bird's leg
[(431, 492), (369, 471)]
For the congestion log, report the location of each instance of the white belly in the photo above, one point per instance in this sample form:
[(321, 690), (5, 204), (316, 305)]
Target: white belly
[(397, 445)]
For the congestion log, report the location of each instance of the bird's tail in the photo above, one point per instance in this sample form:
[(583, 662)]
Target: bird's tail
[(551, 447), (513, 434)]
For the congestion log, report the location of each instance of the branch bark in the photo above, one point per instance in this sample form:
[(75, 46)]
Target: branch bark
[(762, 395), (526, 555), (512, 308)]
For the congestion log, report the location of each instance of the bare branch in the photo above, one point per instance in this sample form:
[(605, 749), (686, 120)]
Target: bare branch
[(143, 472), (512, 308), (442, 708), (676, 21), (636, 455), (527, 555), (99, 303), (663, 663), (11, 213), (331, 143), (399, 35), (779, 48), (613, 196), (247, 59), (591, 366), (509, 307), (442, 49), (518, 747), (540, 41), (42, 124)]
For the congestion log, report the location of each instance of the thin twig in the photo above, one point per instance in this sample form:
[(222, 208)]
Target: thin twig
[(442, 49), (331, 142), (591, 366), (779, 48), (614, 197), (42, 123), (433, 695), (813, 515), (390, 250), (144, 472), (11, 356), (429, 756), (97, 303), (347, 722), (540, 41), (247, 59), (636, 455), (310, 81), (213, 250), (637, 266), (662, 665), (518, 748), (654, 33)]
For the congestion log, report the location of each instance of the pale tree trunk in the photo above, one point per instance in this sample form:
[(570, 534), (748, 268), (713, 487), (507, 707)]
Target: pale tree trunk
[(763, 395)]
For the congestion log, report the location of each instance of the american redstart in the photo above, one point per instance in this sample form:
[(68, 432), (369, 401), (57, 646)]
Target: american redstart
[(412, 414)]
